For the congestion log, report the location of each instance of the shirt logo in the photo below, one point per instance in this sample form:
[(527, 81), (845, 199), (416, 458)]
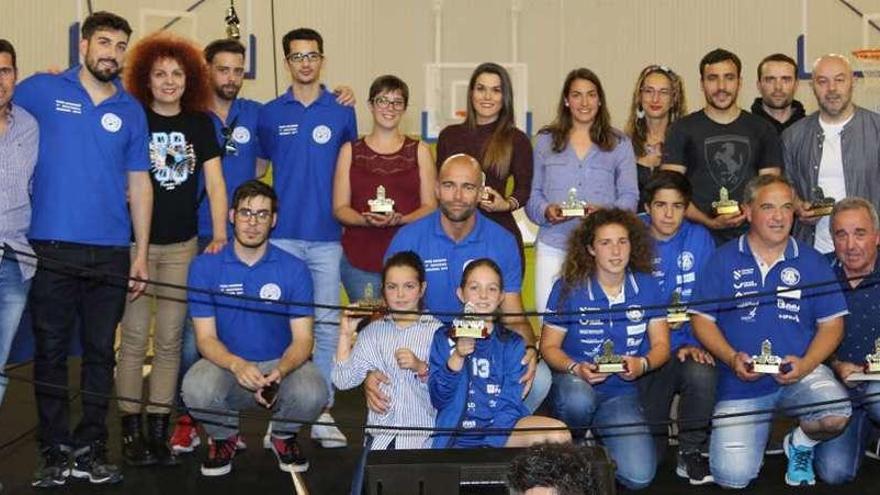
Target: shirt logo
[(790, 276), (270, 292), (172, 159), (738, 274), (111, 122), (726, 157), (288, 129), (321, 134), (686, 261), (635, 313), (68, 107), (241, 135)]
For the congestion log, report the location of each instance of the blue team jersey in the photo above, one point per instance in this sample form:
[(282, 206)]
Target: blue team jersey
[(446, 259), (253, 330), (588, 319), (239, 166), (86, 151), (678, 262), (303, 144), (862, 323), (787, 313)]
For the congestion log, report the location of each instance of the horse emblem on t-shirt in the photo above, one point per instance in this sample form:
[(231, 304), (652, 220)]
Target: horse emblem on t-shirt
[(726, 157)]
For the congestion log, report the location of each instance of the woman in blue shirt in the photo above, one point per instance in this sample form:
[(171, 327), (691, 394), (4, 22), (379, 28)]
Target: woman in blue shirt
[(606, 294)]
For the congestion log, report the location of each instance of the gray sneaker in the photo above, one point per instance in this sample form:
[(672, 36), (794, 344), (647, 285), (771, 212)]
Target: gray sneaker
[(54, 467), (90, 463)]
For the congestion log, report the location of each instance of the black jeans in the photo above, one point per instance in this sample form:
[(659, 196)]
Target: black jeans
[(65, 291), (695, 384)]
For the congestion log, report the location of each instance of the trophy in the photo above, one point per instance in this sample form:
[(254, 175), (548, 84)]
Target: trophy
[(573, 207), (872, 361), (469, 325), (725, 205), (381, 204), (766, 362), (486, 195), (677, 312), (233, 24), (820, 204), (608, 362), (369, 305)]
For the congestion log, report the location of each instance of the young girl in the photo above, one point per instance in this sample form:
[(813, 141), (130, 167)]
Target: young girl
[(397, 345), (474, 383)]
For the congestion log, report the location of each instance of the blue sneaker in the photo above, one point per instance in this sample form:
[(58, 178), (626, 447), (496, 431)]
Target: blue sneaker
[(800, 464)]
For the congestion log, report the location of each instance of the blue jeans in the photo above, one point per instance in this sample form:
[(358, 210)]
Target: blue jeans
[(580, 406), (322, 259), (736, 446), (354, 280), (838, 459), (13, 296)]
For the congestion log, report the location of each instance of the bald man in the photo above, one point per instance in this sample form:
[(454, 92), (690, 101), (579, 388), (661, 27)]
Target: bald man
[(836, 148)]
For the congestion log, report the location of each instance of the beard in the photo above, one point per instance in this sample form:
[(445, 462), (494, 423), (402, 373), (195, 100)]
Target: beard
[(103, 75), (227, 92), (711, 100), (828, 106), (782, 106), (456, 217), (248, 243)]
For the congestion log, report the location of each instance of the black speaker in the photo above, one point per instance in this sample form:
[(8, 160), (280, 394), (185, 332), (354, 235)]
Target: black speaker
[(450, 471)]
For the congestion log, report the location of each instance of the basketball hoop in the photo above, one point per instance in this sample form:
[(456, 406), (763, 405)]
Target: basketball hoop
[(868, 62)]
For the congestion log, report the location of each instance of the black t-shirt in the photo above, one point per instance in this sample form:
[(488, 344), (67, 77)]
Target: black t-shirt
[(719, 155), (179, 147)]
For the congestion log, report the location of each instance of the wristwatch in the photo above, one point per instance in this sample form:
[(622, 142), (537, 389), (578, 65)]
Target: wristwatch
[(571, 367)]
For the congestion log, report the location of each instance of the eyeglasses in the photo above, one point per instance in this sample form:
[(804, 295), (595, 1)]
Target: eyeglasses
[(298, 58), (651, 92), (246, 215), (230, 147), (383, 103)]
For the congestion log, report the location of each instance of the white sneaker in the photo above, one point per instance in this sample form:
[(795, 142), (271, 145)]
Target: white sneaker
[(328, 436)]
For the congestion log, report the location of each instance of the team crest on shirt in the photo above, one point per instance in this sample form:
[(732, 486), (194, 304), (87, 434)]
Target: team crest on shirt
[(790, 276), (726, 157), (321, 134), (111, 122), (270, 292), (686, 261), (635, 313), (241, 135)]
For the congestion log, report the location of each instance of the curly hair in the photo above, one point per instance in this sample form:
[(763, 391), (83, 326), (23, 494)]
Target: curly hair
[(580, 265), (196, 97), (601, 133), (637, 127)]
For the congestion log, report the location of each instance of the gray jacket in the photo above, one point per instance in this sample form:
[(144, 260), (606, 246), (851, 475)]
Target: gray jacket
[(860, 145)]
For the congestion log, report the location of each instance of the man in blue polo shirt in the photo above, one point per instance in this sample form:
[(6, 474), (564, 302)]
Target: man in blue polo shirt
[(682, 249), (855, 230), (766, 286), (93, 151), (250, 344), (301, 132)]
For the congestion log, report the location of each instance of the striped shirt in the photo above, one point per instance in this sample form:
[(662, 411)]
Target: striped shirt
[(410, 402), (18, 156)]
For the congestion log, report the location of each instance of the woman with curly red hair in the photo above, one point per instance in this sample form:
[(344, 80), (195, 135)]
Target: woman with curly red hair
[(167, 74)]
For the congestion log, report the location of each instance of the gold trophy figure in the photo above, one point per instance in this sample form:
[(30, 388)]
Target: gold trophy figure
[(677, 312), (821, 205), (485, 195), (469, 325), (725, 205), (369, 305), (766, 362), (233, 24), (872, 361), (608, 362), (381, 203), (573, 207)]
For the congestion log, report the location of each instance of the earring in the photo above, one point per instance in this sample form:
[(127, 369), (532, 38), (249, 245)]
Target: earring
[(640, 113)]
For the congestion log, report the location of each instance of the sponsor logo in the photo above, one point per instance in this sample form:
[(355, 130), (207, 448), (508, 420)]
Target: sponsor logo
[(686, 261), (635, 313), (739, 273), (790, 276), (633, 341), (750, 316), (493, 388), (321, 134), (788, 306), (111, 122)]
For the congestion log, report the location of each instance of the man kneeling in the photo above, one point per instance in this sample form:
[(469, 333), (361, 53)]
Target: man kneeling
[(255, 353)]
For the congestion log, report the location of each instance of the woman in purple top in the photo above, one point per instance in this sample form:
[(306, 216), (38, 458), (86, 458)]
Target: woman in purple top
[(578, 154)]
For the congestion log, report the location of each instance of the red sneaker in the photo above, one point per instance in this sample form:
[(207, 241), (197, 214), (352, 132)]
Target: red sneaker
[(185, 437)]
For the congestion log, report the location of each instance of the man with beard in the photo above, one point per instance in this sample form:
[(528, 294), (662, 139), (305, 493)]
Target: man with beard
[(93, 152), (721, 146), (256, 353), (778, 83), (835, 149)]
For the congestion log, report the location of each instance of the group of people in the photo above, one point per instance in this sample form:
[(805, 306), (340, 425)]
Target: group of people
[(123, 186)]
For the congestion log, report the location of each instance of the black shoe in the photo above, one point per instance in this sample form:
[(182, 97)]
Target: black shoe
[(290, 458), (157, 433), (54, 467), (135, 450), (90, 463), (220, 454), (694, 467)]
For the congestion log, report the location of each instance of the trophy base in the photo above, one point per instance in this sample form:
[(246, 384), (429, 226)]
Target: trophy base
[(573, 212), (487, 197), (612, 368), (822, 211), (382, 209), (872, 368), (474, 333), (677, 318), (727, 210), (771, 369)]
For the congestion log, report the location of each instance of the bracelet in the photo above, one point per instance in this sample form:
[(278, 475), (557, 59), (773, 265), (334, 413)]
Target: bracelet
[(423, 374), (532, 347), (570, 368), (512, 203), (646, 365)]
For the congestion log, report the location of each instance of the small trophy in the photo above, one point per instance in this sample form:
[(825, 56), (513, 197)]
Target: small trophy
[(233, 24), (608, 362), (573, 207), (469, 325), (381, 204), (369, 305), (486, 195), (725, 205), (872, 361), (766, 362), (677, 312), (820, 204)]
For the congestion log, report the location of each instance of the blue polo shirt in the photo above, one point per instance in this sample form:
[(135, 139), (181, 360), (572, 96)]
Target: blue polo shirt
[(86, 152), (862, 323), (787, 316), (303, 143), (678, 262), (585, 319), (237, 168), (253, 330), (446, 259)]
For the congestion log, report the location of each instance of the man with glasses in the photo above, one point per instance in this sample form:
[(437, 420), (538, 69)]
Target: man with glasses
[(301, 131), (255, 347)]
